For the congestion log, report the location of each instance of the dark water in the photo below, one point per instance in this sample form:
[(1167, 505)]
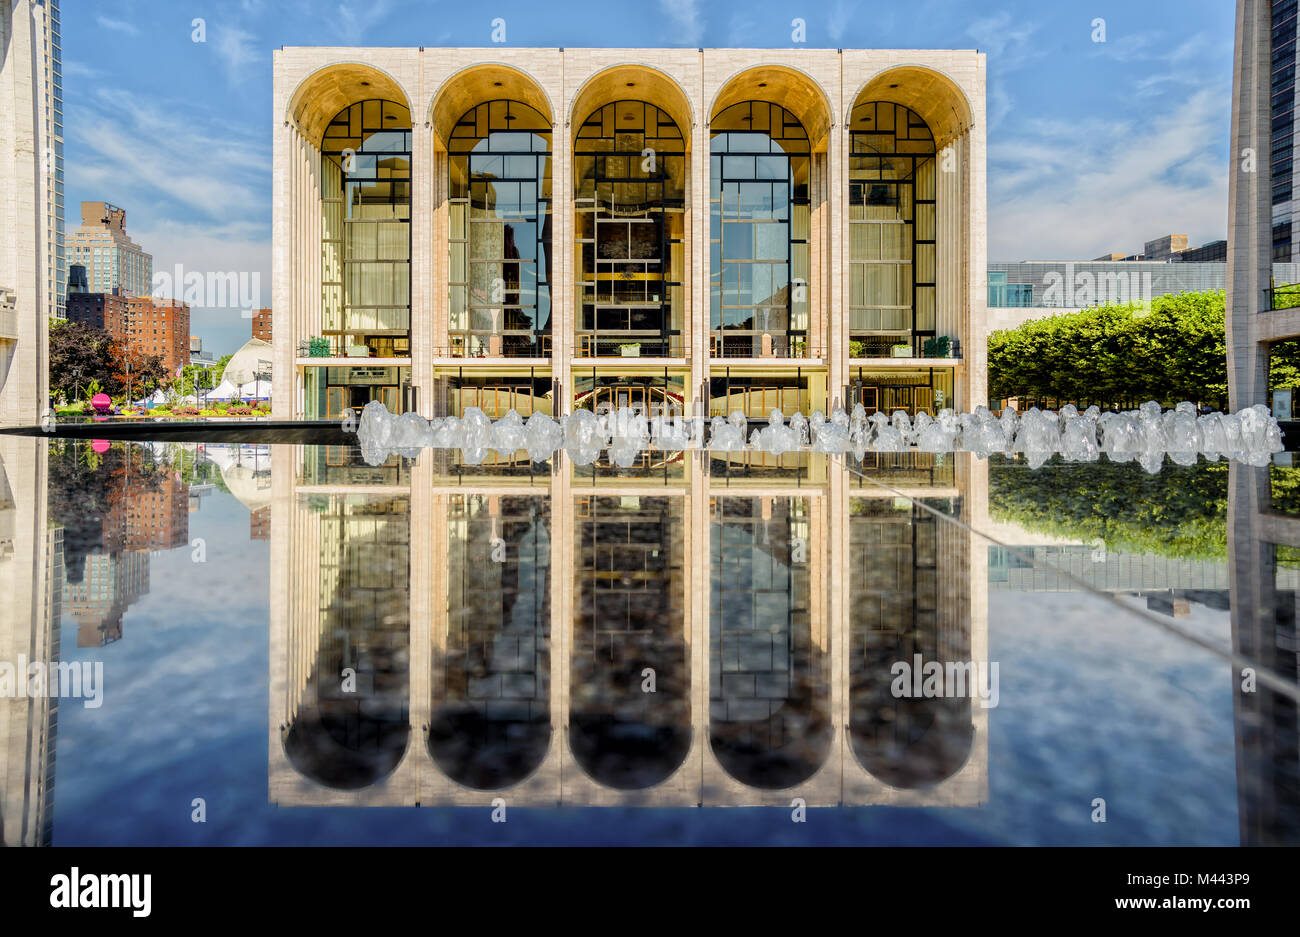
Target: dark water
[(304, 648)]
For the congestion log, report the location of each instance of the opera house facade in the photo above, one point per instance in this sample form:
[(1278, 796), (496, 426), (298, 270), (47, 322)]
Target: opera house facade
[(692, 231), (679, 231)]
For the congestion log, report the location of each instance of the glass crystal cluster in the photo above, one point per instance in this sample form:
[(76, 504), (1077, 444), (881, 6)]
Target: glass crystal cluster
[(1145, 435)]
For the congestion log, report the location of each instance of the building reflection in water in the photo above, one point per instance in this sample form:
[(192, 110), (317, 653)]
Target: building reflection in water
[(31, 574), (769, 687), (629, 679), (1261, 540), (348, 723), (491, 717), (508, 616), (80, 521), (908, 599), (697, 630)]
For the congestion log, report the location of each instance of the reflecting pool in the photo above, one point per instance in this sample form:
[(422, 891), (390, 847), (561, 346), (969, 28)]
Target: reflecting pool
[(230, 644)]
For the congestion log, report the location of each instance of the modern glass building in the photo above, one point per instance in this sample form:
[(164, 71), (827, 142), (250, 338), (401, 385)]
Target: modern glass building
[(689, 231), (1018, 292), (1282, 143), (112, 261)]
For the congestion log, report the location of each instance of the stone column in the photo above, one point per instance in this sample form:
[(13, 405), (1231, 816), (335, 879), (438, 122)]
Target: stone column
[(1250, 208)]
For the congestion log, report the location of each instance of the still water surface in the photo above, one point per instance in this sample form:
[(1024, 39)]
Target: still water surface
[(309, 650)]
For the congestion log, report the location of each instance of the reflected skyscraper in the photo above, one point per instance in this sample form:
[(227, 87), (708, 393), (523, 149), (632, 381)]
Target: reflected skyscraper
[(31, 572), (1264, 632)]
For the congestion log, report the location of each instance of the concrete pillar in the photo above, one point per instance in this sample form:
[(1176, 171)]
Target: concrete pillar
[(1250, 208)]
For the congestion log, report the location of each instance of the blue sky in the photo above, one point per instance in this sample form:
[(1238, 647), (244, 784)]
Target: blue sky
[(1093, 146)]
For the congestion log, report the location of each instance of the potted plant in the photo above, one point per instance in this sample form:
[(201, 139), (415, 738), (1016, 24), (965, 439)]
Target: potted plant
[(937, 347)]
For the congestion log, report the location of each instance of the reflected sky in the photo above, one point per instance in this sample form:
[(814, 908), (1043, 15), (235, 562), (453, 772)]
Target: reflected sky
[(502, 628)]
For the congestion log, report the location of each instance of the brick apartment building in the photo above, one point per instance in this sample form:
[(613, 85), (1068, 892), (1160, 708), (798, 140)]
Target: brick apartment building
[(99, 311), (262, 324), (144, 324), (159, 327)]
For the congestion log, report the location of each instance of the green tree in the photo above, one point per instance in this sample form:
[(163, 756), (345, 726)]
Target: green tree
[(1174, 350), (80, 354), (135, 373)]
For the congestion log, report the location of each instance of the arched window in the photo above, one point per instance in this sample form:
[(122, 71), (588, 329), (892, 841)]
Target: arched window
[(759, 228), (891, 230), (629, 193), (366, 230), (500, 234)]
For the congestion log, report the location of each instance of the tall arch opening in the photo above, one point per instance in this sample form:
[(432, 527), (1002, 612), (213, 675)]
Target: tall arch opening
[(629, 194), (760, 232), (892, 236), (499, 236)]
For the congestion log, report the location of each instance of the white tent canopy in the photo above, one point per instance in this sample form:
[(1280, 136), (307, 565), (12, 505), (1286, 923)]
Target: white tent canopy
[(223, 391), (256, 390)]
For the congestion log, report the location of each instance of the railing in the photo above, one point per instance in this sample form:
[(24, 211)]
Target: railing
[(904, 345), (1286, 296), (763, 346), (674, 345), (629, 345), (505, 345)]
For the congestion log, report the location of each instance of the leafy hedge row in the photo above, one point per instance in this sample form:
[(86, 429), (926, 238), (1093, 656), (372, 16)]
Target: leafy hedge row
[(1181, 512), (1125, 355)]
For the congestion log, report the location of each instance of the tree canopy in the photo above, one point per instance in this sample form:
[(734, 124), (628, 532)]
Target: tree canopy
[(1126, 354), (80, 354)]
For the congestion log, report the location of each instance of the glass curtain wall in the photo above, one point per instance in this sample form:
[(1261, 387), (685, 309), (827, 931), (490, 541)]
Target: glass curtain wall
[(891, 232), (629, 183), (759, 232), (366, 230), (500, 234)]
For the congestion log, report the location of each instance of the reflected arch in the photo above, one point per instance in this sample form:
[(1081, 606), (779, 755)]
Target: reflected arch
[(353, 735), (769, 697), (629, 615), (906, 599), (490, 726)]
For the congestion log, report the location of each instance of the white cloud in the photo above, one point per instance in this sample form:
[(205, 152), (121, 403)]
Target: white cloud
[(353, 20), (74, 69), (119, 26), (685, 15), (838, 19), (1005, 38), (1075, 190), (147, 152), (237, 50)]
